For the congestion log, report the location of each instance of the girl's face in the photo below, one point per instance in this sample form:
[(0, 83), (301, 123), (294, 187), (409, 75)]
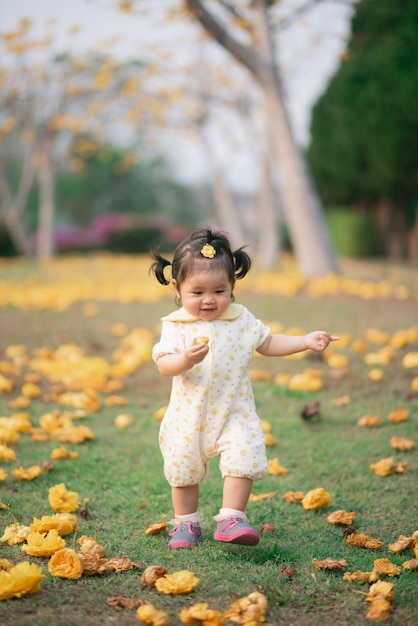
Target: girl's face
[(205, 295)]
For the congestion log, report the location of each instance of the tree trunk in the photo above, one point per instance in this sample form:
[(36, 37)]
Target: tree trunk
[(45, 243), (12, 209), (302, 208), (268, 236)]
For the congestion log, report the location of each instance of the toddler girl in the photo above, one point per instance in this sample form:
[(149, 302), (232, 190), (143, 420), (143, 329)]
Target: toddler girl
[(206, 346)]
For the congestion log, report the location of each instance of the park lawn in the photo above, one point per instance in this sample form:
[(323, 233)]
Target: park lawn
[(118, 474)]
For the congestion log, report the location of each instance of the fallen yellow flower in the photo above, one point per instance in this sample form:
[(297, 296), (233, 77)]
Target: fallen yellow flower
[(295, 497), (262, 496), (402, 543), (275, 469), (361, 540), (370, 421), (384, 566), (123, 420), (360, 577), (201, 615), (341, 517), (179, 582), (149, 615), (248, 610), (27, 474), (329, 563), (6, 454), (15, 533), (386, 467), (65, 563), (398, 415), (19, 580), (64, 524), (44, 544), (402, 444), (62, 500), (316, 499), (63, 453), (156, 529)]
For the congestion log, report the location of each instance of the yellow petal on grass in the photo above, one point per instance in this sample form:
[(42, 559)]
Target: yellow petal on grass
[(275, 469), (316, 499), (201, 615), (376, 374), (159, 413), (402, 544), (183, 581), (361, 540), (341, 517), (360, 577), (44, 544), (258, 375), (410, 360), (295, 497), (379, 599), (398, 415), (3, 505), (412, 565), (6, 454), (123, 420), (151, 574), (89, 546), (250, 609), (63, 453), (370, 421), (15, 533), (149, 615), (270, 440), (341, 400), (115, 401), (402, 444), (27, 474), (262, 496), (155, 529), (22, 579), (3, 475), (384, 566), (329, 563), (386, 467), (65, 563), (62, 500), (64, 524)]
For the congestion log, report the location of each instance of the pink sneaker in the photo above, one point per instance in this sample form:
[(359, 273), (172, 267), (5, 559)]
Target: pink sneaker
[(236, 530), (185, 535)]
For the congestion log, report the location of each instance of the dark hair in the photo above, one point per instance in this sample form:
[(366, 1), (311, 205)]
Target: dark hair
[(188, 257)]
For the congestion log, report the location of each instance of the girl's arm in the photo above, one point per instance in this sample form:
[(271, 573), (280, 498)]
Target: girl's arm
[(282, 345), (175, 364)]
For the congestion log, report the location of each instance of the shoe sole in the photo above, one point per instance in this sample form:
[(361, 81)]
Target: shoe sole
[(244, 539)]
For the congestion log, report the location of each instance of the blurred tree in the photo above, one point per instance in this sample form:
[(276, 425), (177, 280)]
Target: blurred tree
[(365, 126)]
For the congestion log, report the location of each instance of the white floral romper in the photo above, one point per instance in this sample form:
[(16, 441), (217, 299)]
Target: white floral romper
[(211, 412)]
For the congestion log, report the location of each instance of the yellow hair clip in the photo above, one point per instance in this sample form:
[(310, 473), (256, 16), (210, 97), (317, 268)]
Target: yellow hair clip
[(208, 251)]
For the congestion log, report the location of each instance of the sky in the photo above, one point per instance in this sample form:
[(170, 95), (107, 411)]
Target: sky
[(309, 53)]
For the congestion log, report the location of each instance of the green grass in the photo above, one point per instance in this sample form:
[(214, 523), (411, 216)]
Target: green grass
[(120, 473)]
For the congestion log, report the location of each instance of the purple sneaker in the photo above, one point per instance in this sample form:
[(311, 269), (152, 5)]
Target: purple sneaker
[(236, 530), (185, 535)]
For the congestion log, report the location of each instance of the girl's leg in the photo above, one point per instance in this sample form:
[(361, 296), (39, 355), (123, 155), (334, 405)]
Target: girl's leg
[(236, 493), (185, 499)]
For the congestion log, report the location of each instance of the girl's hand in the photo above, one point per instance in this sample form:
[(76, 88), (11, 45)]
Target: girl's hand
[(319, 340), (196, 352)]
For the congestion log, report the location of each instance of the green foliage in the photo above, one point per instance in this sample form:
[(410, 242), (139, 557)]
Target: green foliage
[(365, 126), (353, 234)]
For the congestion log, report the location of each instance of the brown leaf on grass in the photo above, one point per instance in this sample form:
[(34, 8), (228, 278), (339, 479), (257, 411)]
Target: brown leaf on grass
[(295, 497), (361, 540), (93, 564), (156, 529), (122, 564), (341, 517), (402, 444), (89, 546), (262, 496), (119, 602), (386, 467), (288, 571), (329, 563), (401, 544), (310, 410), (268, 528), (151, 573)]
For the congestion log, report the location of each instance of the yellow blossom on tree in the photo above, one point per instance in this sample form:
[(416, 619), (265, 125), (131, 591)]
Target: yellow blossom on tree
[(62, 500)]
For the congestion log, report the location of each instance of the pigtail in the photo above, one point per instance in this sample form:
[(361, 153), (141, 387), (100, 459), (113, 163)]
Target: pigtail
[(242, 263), (158, 267)]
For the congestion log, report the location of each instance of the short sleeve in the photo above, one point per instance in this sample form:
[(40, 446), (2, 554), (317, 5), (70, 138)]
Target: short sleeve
[(170, 341)]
